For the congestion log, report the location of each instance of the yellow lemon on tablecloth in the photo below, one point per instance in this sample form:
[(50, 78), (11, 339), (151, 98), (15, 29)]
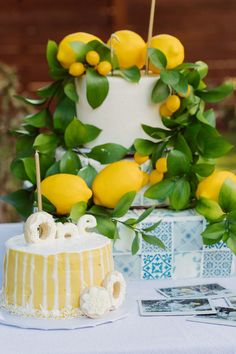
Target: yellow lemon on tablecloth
[(129, 48), (210, 186), (161, 165), (171, 47), (64, 190), (66, 55), (115, 180)]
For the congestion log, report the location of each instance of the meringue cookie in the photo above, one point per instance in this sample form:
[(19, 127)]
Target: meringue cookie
[(39, 227), (86, 222), (115, 284), (95, 302), (66, 230)]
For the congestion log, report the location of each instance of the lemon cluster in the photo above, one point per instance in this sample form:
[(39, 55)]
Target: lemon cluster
[(157, 174), (172, 104)]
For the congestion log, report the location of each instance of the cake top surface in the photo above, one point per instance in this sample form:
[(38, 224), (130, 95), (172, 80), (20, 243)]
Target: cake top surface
[(83, 243)]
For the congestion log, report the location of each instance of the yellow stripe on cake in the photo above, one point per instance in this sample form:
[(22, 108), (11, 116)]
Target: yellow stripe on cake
[(11, 277), (86, 269), (75, 279), (61, 280), (19, 279), (50, 283), (38, 282)]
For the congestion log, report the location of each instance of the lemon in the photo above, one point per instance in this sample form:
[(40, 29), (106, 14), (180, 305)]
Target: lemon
[(155, 177), (129, 48), (187, 93), (161, 165), (145, 179), (164, 111), (173, 103), (140, 159), (210, 186), (76, 69), (92, 58), (65, 55), (104, 68), (115, 180), (64, 190), (171, 47)]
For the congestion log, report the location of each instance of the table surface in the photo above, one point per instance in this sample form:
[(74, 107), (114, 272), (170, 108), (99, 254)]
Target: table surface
[(134, 334)]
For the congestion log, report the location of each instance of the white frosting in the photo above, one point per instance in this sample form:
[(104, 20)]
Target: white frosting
[(126, 107), (74, 245)]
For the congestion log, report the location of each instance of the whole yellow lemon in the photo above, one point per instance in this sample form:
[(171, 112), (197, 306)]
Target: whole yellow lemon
[(210, 186), (129, 48), (64, 190), (65, 55), (171, 47), (115, 180)]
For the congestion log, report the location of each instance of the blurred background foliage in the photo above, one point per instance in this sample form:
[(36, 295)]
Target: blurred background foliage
[(205, 27)]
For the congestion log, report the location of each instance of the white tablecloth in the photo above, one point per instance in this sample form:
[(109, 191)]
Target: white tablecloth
[(134, 334)]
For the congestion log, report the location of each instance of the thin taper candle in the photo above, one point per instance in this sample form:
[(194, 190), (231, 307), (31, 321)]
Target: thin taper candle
[(150, 32), (38, 180)]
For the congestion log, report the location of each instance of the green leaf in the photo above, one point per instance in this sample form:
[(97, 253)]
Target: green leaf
[(231, 243), (130, 221), (177, 163), (202, 68), (70, 163), (216, 94), (29, 165), (144, 147), (51, 54), (153, 240), (45, 143), (160, 92), (203, 169), (131, 74), (47, 205), (180, 195), (78, 133), (21, 200), (24, 146), (80, 49), (49, 90), (211, 144), (18, 169), (152, 227), (101, 48), (64, 113), (193, 79), (157, 58), (31, 101), (182, 85), (182, 145), (207, 117), (88, 173), (161, 190), (158, 151), (214, 231), (170, 77), (99, 211), (78, 210), (135, 244), (70, 91), (40, 119), (227, 195), (124, 204), (107, 153), (53, 169), (97, 87), (145, 214), (210, 209), (106, 226), (156, 133)]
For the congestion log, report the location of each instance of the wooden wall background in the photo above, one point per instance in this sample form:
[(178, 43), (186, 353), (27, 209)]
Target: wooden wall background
[(206, 28)]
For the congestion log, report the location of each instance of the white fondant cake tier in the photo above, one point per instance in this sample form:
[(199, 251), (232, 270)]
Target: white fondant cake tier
[(126, 107)]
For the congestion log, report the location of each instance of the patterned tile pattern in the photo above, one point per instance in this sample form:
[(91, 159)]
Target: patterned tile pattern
[(156, 266), (129, 266), (163, 232), (217, 263), (187, 235), (187, 265), (216, 246)]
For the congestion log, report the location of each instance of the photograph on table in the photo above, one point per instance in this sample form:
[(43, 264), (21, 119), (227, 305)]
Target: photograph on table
[(231, 301), (225, 316), (176, 307), (213, 290)]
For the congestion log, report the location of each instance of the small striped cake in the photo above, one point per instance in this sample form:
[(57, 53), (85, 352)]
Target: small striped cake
[(46, 279)]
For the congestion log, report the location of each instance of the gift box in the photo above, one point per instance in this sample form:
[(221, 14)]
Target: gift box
[(184, 255)]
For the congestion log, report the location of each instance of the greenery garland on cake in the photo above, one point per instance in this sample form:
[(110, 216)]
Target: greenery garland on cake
[(179, 155)]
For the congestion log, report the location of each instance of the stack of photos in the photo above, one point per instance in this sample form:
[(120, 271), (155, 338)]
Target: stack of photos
[(192, 300), (225, 316)]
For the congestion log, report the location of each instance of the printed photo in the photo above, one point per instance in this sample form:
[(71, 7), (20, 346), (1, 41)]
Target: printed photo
[(175, 307), (225, 316), (231, 301)]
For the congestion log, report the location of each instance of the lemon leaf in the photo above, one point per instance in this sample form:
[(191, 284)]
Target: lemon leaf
[(40, 119), (18, 169), (203, 169), (145, 214), (153, 240), (181, 144), (97, 87), (160, 92), (152, 227), (49, 90), (180, 195), (53, 169), (31, 101), (193, 78), (216, 94), (156, 133), (131, 74), (29, 164), (88, 173), (124, 204), (157, 58), (70, 163), (214, 231), (78, 133), (170, 77), (46, 143), (107, 153), (231, 243), (64, 113), (106, 226), (227, 195), (207, 117), (178, 163), (144, 147), (202, 68), (22, 200), (70, 91), (182, 85), (80, 49), (135, 244), (210, 209), (161, 190), (78, 210)]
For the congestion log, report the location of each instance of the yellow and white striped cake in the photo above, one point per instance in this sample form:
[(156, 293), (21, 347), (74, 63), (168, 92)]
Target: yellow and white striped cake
[(46, 279)]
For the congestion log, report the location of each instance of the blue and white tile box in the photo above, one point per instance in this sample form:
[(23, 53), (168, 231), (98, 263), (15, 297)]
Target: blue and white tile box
[(185, 256)]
